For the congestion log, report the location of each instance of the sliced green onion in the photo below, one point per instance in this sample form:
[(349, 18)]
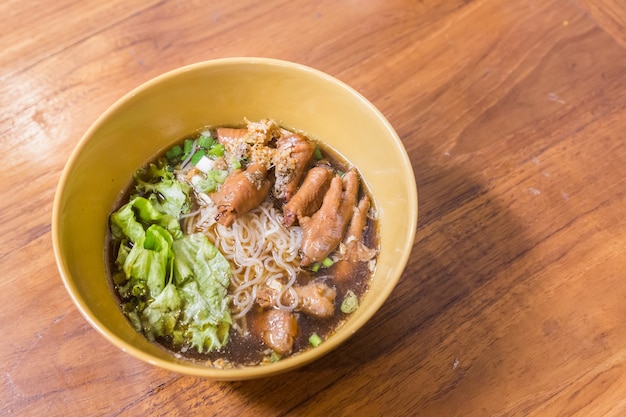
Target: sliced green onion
[(206, 185), (187, 147), (236, 164), (327, 262), (197, 156), (317, 153), (350, 303), (315, 267), (206, 142), (218, 175), (174, 152), (315, 340), (274, 357), (205, 164), (217, 150)]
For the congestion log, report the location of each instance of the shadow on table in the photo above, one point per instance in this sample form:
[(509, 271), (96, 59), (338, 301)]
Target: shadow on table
[(465, 239)]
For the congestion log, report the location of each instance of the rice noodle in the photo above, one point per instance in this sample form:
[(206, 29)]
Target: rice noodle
[(260, 249)]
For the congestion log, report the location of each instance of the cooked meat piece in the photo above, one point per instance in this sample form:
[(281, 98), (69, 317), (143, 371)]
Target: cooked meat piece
[(278, 329), (309, 196), (314, 299), (291, 169), (250, 142), (263, 131), (266, 297), (233, 140), (322, 232), (241, 192), (354, 250), (358, 221), (228, 135), (255, 133)]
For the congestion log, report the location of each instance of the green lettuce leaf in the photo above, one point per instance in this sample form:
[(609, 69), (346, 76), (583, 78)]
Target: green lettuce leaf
[(203, 276), (168, 195), (160, 317), (124, 224), (133, 217), (177, 285), (147, 261)]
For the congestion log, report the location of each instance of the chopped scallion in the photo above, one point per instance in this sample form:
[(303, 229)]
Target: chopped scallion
[(187, 148), (205, 164), (274, 357), (217, 150), (327, 262), (317, 154), (174, 152), (206, 142), (315, 340), (350, 303), (218, 175), (315, 267), (206, 185), (197, 156)]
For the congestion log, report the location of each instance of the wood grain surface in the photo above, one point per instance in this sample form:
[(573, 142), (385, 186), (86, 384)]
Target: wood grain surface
[(514, 116)]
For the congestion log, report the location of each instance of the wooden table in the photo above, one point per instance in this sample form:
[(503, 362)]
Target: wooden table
[(514, 116)]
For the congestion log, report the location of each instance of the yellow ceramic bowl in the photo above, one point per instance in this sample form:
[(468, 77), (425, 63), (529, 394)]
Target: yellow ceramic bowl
[(165, 109)]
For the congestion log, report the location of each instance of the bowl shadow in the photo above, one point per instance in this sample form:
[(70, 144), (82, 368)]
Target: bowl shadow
[(465, 238)]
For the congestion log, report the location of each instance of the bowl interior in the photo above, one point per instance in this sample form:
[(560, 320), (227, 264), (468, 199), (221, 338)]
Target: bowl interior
[(164, 110)]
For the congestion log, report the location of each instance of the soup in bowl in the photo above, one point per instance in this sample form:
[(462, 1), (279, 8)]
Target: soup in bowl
[(235, 218)]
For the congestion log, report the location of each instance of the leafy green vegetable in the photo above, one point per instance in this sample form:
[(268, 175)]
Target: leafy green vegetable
[(160, 317), (203, 275), (168, 195), (149, 264), (195, 256), (174, 152), (136, 215), (175, 285)]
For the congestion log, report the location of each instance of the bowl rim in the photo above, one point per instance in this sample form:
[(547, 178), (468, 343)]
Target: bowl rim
[(190, 368)]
